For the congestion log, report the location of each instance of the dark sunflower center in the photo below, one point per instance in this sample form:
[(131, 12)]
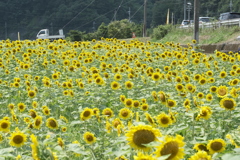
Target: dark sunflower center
[(86, 114), (124, 113), (204, 113), (52, 123), (116, 123), (89, 138), (37, 122), (228, 104), (21, 107), (164, 120), (115, 85), (141, 137), (170, 148), (33, 114), (216, 146), (203, 148), (136, 104), (129, 85), (18, 139), (162, 97), (4, 125), (108, 113), (129, 103), (156, 76), (170, 104)]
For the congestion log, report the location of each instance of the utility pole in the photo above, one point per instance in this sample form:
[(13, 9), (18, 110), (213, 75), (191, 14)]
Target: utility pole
[(184, 9), (196, 20), (129, 15), (231, 5), (145, 19), (115, 15), (5, 30)]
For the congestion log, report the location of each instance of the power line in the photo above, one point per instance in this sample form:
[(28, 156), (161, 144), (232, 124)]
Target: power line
[(78, 14)]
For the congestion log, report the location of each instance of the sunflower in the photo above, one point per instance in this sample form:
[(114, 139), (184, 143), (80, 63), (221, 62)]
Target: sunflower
[(144, 107), (140, 135), (46, 111), (228, 103), (117, 76), (171, 103), (202, 81), (200, 147), (222, 74), (129, 84), (89, 137), (55, 76), (216, 145), (4, 125), (37, 122), (141, 156), (115, 85), (17, 139), (190, 87), (33, 113), (125, 113), (213, 89), (128, 102), (86, 114), (21, 107), (122, 98), (60, 142), (52, 123), (164, 120), (150, 119), (162, 97), (209, 97), (234, 82), (200, 95), (172, 147), (222, 91), (234, 92), (205, 113), (156, 76), (179, 87), (108, 112), (200, 155), (11, 106), (116, 122), (197, 77)]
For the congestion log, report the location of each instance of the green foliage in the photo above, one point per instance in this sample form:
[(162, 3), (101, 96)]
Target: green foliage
[(161, 31), (120, 29), (75, 35)]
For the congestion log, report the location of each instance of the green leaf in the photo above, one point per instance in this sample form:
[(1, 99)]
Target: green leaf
[(76, 149)]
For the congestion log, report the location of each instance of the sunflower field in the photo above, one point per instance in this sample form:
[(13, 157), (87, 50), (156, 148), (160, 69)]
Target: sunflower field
[(117, 100)]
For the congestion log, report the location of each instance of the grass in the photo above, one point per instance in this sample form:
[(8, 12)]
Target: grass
[(206, 35)]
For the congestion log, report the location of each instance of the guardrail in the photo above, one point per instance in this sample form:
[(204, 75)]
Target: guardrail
[(230, 22)]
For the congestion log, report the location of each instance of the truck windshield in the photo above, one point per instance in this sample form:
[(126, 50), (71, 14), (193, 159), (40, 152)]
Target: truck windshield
[(41, 32)]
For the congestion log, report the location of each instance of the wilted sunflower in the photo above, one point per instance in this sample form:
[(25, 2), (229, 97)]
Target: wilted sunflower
[(222, 91), (228, 103), (17, 139), (125, 113), (216, 145), (200, 155), (162, 97), (164, 120), (89, 137), (172, 147), (52, 123), (86, 114), (140, 135), (150, 119), (4, 125), (108, 112)]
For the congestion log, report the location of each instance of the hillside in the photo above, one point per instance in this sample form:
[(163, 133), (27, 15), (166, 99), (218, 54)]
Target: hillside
[(29, 16)]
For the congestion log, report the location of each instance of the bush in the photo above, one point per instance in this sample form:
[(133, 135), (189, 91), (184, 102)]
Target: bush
[(161, 31)]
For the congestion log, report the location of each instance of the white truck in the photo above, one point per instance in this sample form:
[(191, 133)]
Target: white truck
[(44, 34)]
